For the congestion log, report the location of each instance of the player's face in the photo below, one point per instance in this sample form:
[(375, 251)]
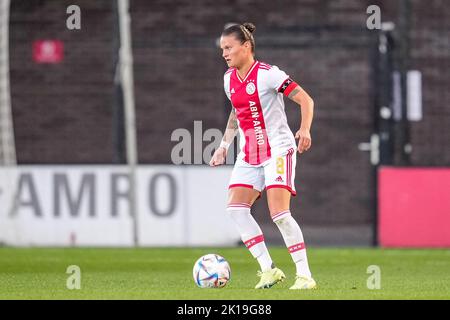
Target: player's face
[(234, 53)]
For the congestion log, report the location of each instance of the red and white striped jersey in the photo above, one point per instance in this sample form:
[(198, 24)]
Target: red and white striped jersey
[(258, 102)]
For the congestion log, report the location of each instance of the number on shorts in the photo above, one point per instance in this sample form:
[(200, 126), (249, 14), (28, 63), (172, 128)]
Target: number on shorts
[(280, 165)]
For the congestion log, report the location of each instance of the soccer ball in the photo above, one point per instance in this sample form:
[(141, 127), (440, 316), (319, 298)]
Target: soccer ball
[(211, 271)]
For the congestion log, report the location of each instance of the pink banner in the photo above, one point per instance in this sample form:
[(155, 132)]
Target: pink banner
[(414, 207)]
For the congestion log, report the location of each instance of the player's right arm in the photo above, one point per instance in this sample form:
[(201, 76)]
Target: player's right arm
[(220, 154)]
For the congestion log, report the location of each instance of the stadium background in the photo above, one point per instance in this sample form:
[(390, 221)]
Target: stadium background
[(68, 113)]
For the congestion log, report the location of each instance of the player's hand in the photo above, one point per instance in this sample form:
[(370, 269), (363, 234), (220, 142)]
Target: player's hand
[(218, 157), (304, 142)]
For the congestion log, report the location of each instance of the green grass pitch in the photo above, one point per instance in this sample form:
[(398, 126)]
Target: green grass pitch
[(166, 273)]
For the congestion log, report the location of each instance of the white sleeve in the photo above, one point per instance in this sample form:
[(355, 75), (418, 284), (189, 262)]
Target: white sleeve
[(276, 77)]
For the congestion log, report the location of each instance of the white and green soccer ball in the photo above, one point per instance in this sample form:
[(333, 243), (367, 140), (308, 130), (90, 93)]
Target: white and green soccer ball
[(211, 271)]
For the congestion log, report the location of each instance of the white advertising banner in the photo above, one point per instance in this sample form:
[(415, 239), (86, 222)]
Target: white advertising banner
[(90, 206)]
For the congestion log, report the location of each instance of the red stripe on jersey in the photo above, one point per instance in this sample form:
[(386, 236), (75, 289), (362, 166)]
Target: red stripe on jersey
[(240, 185), (278, 215), (251, 242), (297, 247), (251, 119)]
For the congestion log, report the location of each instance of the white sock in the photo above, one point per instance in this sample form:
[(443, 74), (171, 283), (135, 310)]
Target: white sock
[(251, 234), (293, 237)]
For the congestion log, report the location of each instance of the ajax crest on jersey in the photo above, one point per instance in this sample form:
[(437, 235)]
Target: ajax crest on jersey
[(211, 271), (250, 88)]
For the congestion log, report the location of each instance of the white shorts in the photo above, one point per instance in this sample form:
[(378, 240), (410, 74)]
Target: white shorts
[(278, 172)]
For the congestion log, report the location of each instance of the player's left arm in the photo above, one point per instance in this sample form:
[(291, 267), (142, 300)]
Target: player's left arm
[(301, 97)]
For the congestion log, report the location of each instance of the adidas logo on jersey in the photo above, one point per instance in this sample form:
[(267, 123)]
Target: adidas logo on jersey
[(232, 90), (279, 179)]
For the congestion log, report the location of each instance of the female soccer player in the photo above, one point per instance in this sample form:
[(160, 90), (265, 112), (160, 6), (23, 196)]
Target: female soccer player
[(267, 155)]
